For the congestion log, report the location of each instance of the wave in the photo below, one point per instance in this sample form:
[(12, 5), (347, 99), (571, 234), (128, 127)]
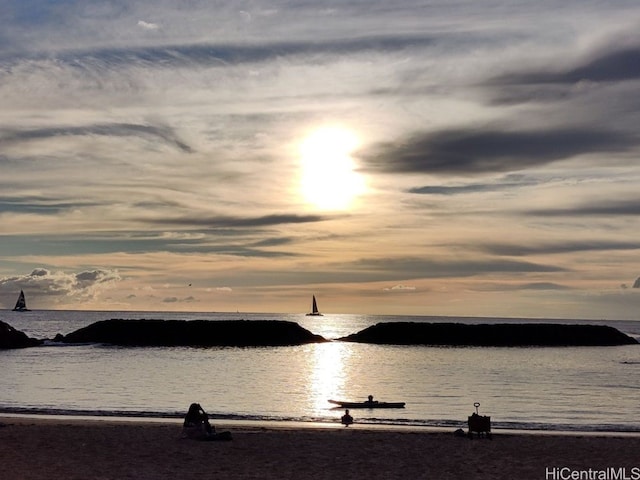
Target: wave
[(53, 343)]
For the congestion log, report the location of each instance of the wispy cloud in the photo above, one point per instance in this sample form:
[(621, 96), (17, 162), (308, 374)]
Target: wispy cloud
[(548, 248), (510, 182), (481, 151), (620, 63), (231, 222), (606, 208), (150, 132)]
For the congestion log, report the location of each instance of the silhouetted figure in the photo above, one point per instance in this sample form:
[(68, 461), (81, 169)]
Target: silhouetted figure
[(370, 399), (347, 419), (196, 425)]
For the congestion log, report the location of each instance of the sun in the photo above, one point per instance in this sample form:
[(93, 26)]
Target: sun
[(328, 179)]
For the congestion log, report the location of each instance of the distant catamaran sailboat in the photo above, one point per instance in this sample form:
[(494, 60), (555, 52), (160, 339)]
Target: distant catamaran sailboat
[(21, 304), (314, 309)]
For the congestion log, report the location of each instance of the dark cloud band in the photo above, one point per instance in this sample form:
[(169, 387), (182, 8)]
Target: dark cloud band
[(477, 151), (155, 132)]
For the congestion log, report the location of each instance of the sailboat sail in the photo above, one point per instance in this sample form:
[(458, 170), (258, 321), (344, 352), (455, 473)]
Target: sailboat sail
[(314, 308), (21, 304)]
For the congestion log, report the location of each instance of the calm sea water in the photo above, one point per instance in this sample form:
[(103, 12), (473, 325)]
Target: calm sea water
[(582, 388)]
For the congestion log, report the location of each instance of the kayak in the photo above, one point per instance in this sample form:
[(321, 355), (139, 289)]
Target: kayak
[(367, 404)]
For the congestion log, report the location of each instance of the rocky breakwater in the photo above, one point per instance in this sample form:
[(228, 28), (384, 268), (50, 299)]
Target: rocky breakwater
[(195, 333), (12, 338), (490, 335)]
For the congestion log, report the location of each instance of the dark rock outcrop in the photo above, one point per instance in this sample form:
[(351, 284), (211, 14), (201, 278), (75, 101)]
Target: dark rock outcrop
[(490, 335), (12, 338), (196, 333)]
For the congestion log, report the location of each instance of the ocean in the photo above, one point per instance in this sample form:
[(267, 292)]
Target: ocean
[(535, 388)]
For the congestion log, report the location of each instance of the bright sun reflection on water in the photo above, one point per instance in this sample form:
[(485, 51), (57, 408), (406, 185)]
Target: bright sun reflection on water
[(329, 378)]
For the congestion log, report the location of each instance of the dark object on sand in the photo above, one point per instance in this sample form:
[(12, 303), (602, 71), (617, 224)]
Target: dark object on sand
[(490, 335), (479, 424), (196, 426), (194, 333)]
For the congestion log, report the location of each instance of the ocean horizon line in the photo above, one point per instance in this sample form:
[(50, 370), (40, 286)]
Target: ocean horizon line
[(325, 313)]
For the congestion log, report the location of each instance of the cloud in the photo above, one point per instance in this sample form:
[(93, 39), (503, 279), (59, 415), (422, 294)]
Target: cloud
[(399, 270), (92, 277), (274, 242), (543, 286), (148, 26), (565, 79), (509, 287), (546, 248), (615, 65), (188, 299), (148, 132), (227, 53), (42, 282), (508, 183), (400, 289), (237, 242), (239, 222), (37, 204), (39, 272), (602, 208), (481, 151), (414, 267)]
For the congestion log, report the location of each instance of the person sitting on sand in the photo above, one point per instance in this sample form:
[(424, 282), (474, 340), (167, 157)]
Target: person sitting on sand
[(347, 419), (196, 423)]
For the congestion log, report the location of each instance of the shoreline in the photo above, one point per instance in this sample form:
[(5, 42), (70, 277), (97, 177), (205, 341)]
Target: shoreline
[(304, 425), (110, 449)]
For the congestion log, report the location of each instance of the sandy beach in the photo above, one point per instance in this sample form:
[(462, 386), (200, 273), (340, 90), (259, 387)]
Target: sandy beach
[(70, 449)]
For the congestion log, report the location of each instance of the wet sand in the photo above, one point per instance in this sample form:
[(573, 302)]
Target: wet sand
[(72, 449)]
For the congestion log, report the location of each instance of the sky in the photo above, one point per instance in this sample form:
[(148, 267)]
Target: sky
[(459, 157)]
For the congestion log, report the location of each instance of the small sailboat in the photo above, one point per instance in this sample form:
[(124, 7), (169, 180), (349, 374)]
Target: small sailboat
[(21, 304), (314, 309)]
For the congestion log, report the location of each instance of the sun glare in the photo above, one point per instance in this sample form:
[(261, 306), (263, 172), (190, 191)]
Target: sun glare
[(328, 177)]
